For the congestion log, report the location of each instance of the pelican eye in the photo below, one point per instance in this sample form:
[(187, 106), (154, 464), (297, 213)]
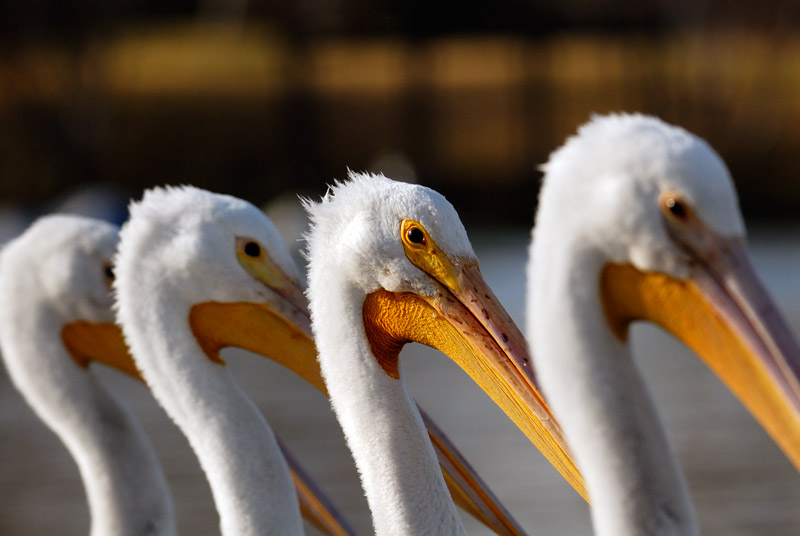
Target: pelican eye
[(252, 249), (257, 261), (675, 208), (108, 271), (415, 235)]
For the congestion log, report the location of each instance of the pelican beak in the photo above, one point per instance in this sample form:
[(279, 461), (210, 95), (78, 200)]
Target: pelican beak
[(282, 332), (279, 331), (466, 487), (101, 342), (725, 315), (465, 321)]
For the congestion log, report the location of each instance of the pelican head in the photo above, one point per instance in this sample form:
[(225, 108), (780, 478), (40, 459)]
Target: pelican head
[(57, 280), (402, 257), (60, 271), (652, 209), (68, 259), (223, 266), (654, 191), (242, 255), (381, 224)]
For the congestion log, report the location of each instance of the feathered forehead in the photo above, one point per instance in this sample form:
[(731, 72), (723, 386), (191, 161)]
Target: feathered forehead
[(185, 206), (635, 143), (60, 234), (195, 221), (384, 203), (59, 259), (650, 157)]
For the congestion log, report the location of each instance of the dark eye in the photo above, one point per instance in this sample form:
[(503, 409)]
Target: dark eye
[(108, 271), (252, 249), (676, 208), (416, 236)]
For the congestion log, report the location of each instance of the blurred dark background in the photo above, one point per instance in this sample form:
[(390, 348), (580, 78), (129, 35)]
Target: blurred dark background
[(262, 97)]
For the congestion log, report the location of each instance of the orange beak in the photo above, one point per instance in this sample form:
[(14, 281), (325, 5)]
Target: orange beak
[(468, 324), (724, 314)]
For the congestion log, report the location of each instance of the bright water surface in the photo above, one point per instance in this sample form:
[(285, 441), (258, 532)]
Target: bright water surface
[(741, 483)]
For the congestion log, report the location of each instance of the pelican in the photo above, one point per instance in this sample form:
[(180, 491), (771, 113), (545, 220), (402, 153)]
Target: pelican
[(197, 272), (391, 263), (56, 317), (639, 220)]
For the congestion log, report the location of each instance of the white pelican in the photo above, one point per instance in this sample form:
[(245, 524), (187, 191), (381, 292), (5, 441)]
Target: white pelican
[(56, 317), (197, 272), (390, 263), (638, 220)]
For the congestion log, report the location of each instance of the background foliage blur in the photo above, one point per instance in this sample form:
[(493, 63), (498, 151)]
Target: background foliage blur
[(261, 97)]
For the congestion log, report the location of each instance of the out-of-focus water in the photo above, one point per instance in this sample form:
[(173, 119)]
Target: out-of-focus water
[(741, 483)]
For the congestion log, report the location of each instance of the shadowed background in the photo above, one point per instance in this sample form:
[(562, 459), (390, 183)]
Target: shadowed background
[(260, 97), (265, 99)]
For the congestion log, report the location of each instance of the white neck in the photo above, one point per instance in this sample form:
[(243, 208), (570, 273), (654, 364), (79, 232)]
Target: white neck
[(399, 471), (248, 475), (125, 486), (594, 387)]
